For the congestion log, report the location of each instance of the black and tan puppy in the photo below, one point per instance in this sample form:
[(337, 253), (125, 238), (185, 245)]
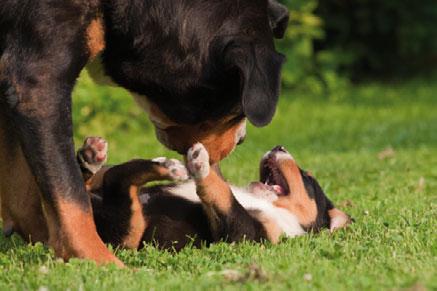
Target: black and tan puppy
[(199, 67), (286, 201)]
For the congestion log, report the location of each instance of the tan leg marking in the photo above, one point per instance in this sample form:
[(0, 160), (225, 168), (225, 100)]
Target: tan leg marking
[(19, 193), (213, 191), (76, 234), (272, 229), (137, 223), (96, 181), (216, 196)]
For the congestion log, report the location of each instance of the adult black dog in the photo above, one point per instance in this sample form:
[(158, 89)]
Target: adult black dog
[(204, 65)]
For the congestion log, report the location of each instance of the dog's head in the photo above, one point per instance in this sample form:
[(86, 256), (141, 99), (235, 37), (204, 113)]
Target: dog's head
[(290, 187), (205, 66)]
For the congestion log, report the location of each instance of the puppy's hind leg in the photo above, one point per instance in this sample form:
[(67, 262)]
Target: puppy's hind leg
[(119, 217)]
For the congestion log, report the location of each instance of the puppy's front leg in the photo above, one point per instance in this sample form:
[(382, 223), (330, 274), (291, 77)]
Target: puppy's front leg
[(228, 220)]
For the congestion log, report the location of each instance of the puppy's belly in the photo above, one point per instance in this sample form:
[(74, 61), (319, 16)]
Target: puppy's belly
[(286, 221)]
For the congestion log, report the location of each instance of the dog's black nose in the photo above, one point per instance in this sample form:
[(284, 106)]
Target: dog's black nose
[(279, 148)]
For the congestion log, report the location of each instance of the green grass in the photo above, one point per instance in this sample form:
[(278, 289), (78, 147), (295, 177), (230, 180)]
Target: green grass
[(392, 244)]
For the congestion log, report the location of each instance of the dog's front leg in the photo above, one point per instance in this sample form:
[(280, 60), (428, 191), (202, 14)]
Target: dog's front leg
[(44, 54), (228, 220)]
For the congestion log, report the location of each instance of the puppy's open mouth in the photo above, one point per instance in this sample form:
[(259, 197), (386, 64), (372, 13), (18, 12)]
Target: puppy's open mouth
[(271, 176)]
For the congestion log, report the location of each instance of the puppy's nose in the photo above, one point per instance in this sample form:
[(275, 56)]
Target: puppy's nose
[(279, 148)]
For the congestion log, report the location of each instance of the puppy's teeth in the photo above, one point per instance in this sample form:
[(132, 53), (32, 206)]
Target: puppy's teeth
[(278, 189)]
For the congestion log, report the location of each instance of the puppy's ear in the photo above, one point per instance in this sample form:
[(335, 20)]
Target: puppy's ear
[(260, 78), (278, 17), (338, 219)]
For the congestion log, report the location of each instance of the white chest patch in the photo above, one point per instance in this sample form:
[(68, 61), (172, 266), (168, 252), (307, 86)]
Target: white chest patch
[(286, 220)]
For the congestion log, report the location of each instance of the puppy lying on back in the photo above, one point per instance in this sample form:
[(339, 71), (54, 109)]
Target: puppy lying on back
[(286, 201)]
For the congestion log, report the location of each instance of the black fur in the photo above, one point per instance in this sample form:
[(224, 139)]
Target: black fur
[(279, 16), (172, 222), (323, 203), (42, 46), (197, 60), (184, 55)]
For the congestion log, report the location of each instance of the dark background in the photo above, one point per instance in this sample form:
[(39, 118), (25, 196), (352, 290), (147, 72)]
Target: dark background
[(350, 41)]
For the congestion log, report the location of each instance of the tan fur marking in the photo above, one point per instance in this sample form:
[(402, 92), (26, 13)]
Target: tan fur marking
[(95, 37), (213, 191), (96, 181), (76, 234), (218, 137), (19, 193), (215, 195), (298, 202), (137, 223), (72, 233), (273, 230)]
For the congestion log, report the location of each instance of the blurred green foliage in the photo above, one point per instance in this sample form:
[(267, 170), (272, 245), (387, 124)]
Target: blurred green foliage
[(305, 67), (330, 42)]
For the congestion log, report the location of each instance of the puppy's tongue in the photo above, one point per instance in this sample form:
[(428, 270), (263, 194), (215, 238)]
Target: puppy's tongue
[(259, 186), (278, 189)]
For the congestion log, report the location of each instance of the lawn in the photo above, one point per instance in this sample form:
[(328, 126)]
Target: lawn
[(374, 150)]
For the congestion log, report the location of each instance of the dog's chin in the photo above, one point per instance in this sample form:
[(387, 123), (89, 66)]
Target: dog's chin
[(219, 138)]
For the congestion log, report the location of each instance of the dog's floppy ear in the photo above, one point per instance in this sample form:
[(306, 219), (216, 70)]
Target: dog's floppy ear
[(278, 17), (260, 78)]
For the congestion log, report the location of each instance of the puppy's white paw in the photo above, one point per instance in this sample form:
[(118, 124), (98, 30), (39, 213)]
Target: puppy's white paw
[(198, 161), (176, 170)]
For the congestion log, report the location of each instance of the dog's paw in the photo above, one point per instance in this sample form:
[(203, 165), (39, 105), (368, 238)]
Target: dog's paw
[(94, 153), (198, 161), (176, 170)]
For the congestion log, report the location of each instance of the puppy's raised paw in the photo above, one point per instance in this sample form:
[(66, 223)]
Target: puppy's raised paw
[(176, 170), (93, 153), (198, 161)]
